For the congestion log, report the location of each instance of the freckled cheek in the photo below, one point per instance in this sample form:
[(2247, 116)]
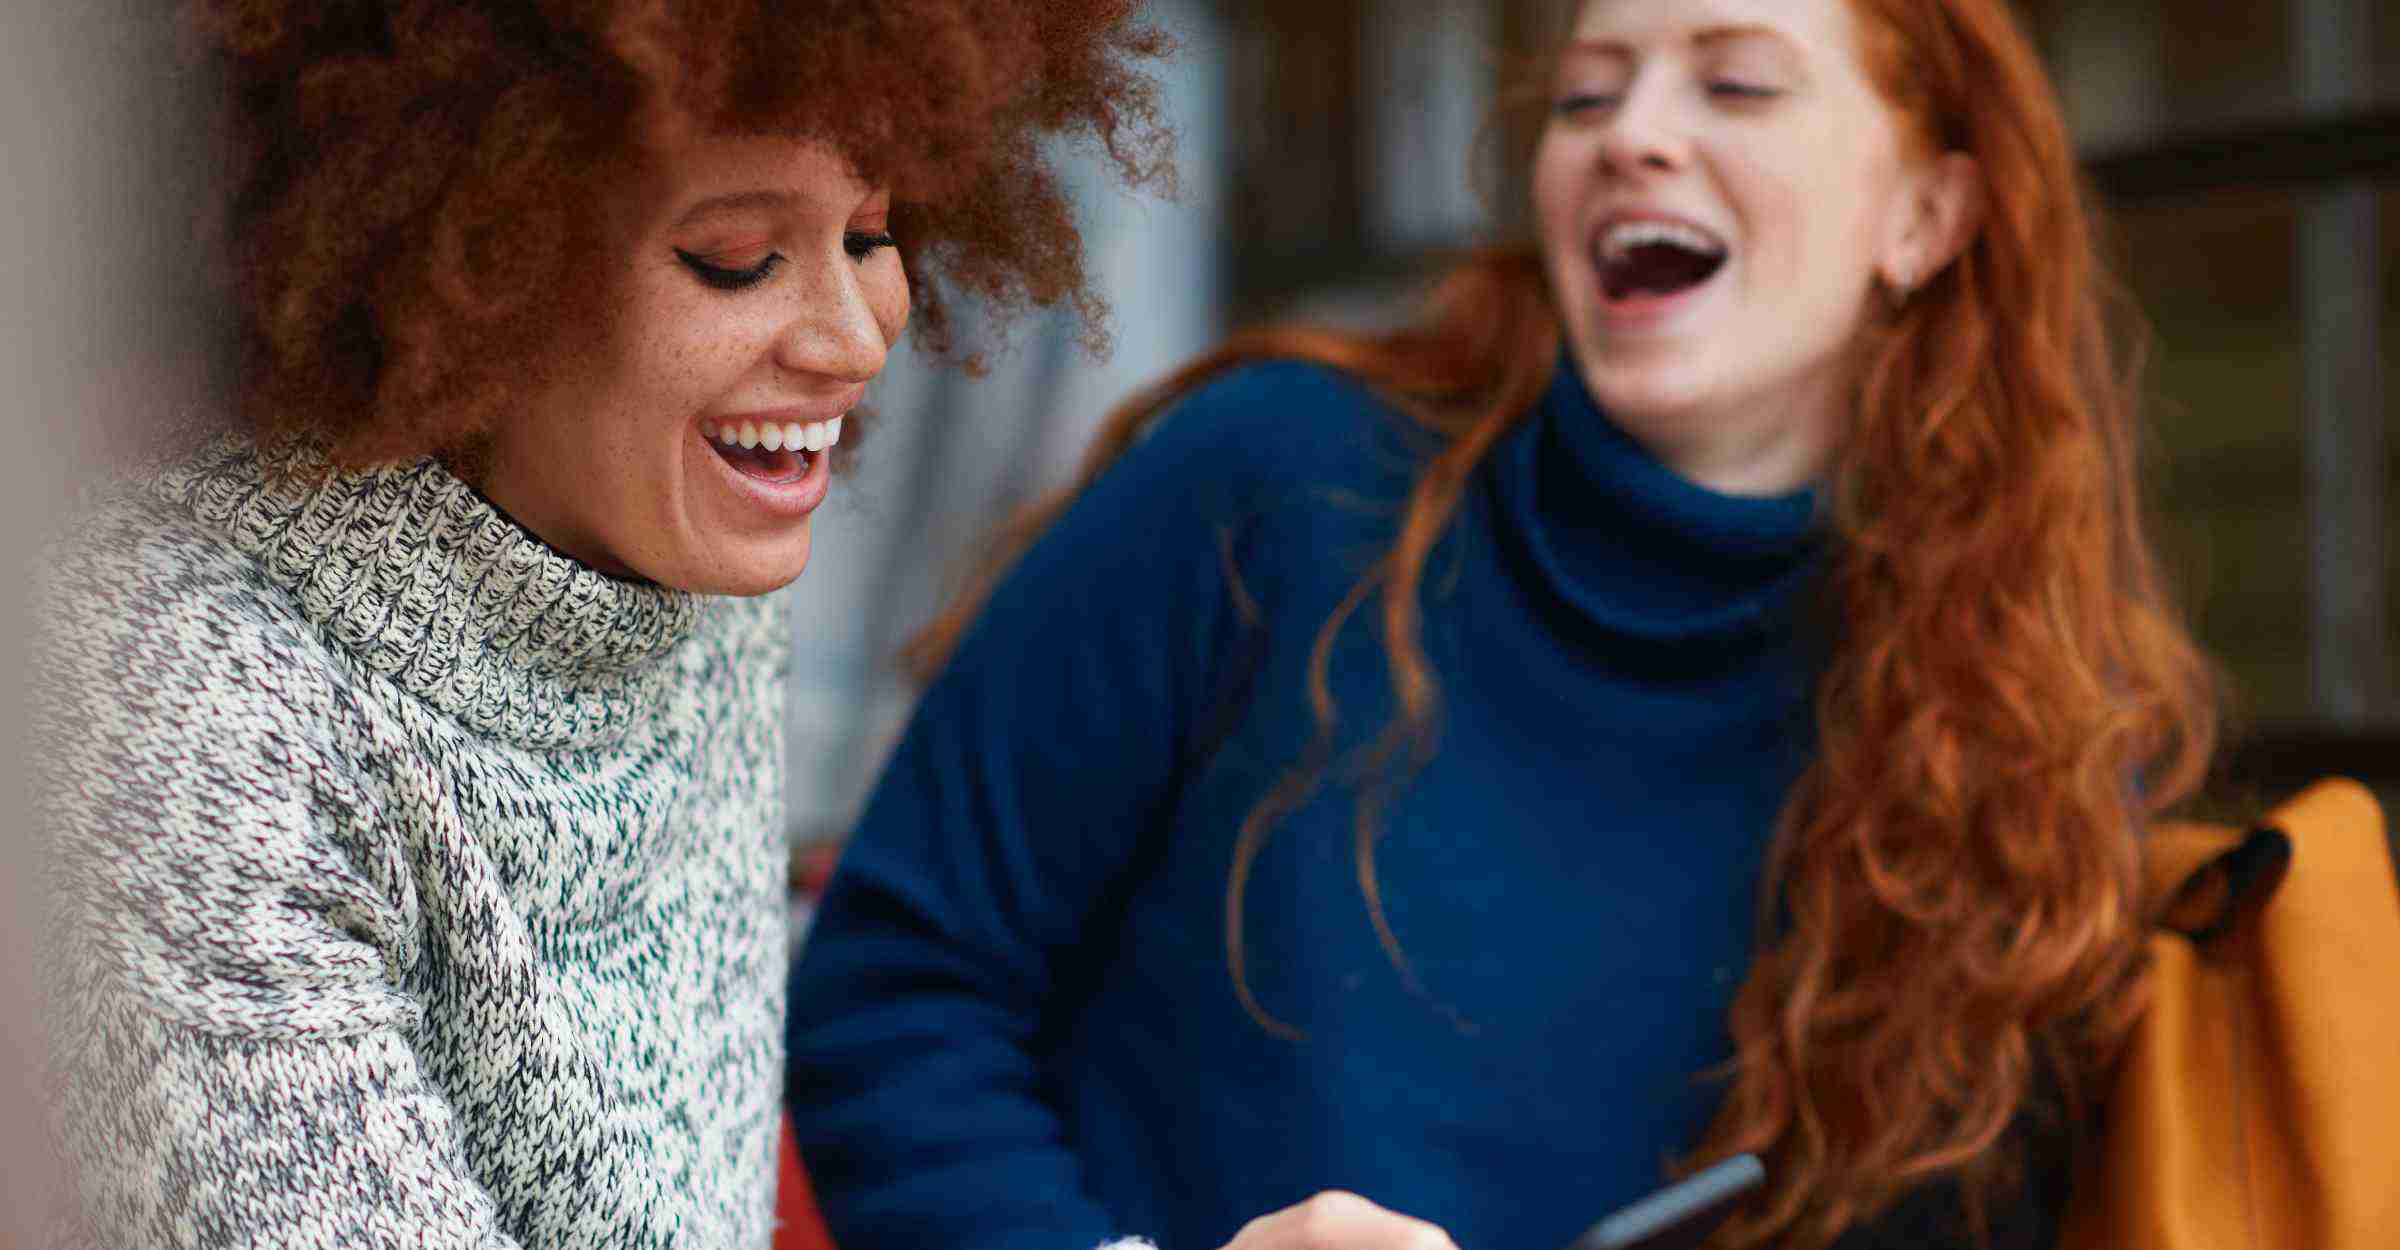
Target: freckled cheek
[(710, 343), (686, 371)]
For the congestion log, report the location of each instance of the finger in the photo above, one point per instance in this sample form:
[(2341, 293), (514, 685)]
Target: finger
[(1336, 1220)]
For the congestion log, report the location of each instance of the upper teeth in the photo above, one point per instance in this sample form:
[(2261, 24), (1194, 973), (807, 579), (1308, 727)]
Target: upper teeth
[(1626, 236), (814, 436)]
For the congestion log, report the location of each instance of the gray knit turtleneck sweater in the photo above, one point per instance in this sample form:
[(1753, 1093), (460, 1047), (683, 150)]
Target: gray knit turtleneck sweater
[(421, 887)]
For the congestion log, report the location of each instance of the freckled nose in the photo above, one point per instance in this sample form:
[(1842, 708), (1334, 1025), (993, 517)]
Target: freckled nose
[(833, 333)]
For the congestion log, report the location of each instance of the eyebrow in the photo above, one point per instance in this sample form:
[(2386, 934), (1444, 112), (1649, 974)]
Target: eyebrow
[(1727, 34), (734, 203), (1706, 37)]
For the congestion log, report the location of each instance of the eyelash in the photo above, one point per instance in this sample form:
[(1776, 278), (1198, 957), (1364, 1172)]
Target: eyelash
[(1722, 89), (861, 245), (858, 245), (724, 279)]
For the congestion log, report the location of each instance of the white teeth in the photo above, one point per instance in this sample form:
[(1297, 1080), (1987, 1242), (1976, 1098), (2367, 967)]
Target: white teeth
[(788, 436), (1626, 236)]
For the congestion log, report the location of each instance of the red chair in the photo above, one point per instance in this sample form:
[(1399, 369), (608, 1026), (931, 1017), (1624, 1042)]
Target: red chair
[(797, 1224)]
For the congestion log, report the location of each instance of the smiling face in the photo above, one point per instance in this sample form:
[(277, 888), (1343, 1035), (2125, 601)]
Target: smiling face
[(742, 285), (1718, 190)]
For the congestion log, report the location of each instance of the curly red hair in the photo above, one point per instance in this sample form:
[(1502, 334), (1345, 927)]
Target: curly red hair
[(402, 213), (1950, 911)]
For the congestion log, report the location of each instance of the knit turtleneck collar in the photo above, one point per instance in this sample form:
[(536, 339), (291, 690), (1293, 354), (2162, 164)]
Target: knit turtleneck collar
[(425, 582), (1639, 549)]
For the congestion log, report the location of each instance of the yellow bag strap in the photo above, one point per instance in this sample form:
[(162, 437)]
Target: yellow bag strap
[(2200, 880)]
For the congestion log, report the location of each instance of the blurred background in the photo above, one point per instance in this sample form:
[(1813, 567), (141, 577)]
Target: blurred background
[(2247, 153)]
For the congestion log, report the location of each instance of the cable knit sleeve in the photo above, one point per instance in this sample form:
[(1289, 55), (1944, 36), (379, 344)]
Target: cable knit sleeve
[(231, 1028)]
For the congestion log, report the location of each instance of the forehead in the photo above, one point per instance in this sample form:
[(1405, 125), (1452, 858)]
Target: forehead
[(699, 174), (1822, 27), (715, 161)]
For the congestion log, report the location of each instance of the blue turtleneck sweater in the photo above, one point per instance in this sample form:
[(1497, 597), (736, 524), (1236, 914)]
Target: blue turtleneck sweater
[(1013, 1026)]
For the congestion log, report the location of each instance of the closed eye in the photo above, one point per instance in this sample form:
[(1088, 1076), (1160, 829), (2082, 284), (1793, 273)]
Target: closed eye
[(861, 244), (1569, 105), (1729, 89), (724, 279)]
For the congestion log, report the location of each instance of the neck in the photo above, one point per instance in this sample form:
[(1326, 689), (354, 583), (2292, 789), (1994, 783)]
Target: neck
[(1751, 445), (1753, 460), (518, 489)]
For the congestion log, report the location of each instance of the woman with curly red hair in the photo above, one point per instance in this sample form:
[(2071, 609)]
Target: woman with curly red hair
[(412, 740), (1698, 691)]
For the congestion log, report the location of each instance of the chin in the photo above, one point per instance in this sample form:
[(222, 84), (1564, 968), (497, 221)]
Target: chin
[(1642, 395), (750, 588), (742, 569)]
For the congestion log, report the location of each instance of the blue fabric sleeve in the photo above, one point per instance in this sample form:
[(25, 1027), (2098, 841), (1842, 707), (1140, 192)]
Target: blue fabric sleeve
[(972, 901)]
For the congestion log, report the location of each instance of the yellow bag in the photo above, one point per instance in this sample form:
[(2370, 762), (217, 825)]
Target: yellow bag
[(2257, 1104)]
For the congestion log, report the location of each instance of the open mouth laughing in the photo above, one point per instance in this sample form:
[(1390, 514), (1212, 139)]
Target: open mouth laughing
[(1644, 259), (771, 452)]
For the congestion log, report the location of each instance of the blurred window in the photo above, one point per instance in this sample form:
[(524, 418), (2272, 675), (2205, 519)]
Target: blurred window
[(2249, 151)]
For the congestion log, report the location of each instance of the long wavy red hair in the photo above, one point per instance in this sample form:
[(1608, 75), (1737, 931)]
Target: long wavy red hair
[(1949, 910)]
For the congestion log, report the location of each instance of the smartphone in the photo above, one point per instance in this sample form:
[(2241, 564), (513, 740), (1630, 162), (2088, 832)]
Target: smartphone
[(1680, 1216)]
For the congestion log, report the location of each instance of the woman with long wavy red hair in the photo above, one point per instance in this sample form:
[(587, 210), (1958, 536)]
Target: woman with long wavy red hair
[(1696, 691)]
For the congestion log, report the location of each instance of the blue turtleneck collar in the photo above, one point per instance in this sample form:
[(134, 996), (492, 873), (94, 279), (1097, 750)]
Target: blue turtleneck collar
[(1638, 548)]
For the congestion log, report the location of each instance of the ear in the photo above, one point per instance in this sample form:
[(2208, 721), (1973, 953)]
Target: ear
[(1940, 215)]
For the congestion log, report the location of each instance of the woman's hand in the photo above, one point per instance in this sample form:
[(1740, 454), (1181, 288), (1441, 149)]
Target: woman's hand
[(1334, 1220)]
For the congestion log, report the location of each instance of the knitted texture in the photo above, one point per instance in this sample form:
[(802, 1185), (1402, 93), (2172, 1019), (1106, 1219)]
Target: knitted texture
[(419, 886)]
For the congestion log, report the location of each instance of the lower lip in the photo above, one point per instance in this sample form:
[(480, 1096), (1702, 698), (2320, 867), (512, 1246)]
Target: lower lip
[(1652, 312), (793, 499)]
